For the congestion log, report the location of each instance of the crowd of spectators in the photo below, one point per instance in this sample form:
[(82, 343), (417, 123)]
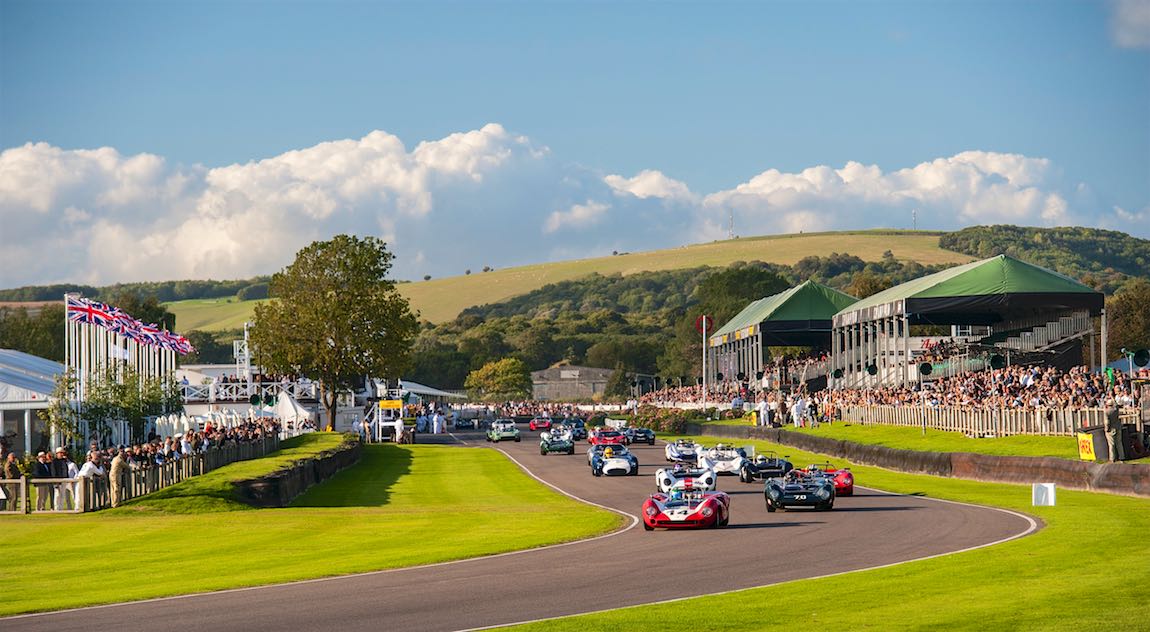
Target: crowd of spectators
[(1014, 387), (101, 462)]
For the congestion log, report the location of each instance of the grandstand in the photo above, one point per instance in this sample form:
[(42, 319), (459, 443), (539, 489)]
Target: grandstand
[(1006, 307)]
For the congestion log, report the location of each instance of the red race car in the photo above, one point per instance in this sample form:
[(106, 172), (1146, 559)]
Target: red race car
[(607, 436), (540, 423), (843, 479), (686, 509)]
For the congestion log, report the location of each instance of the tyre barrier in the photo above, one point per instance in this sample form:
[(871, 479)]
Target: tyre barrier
[(1130, 479), (279, 488)]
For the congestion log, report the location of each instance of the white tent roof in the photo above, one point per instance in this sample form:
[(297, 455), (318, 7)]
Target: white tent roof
[(288, 409), (26, 378), (419, 389)]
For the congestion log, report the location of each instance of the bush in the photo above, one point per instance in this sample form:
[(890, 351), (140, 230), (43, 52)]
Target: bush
[(669, 420)]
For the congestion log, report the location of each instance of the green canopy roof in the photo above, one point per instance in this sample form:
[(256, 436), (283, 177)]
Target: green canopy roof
[(981, 292), (799, 316)]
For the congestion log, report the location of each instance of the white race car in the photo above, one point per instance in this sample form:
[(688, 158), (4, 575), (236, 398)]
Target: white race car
[(682, 451), (612, 460), (682, 477), (723, 459)]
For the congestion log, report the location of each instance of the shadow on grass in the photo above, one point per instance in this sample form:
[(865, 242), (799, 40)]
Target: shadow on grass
[(365, 484)]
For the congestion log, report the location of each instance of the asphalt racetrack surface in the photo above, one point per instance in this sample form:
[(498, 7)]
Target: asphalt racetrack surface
[(627, 568)]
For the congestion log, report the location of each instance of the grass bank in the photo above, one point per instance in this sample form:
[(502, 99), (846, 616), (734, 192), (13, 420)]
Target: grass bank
[(1074, 574), (365, 518), (440, 300)]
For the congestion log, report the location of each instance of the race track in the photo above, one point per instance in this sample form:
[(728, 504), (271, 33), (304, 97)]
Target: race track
[(627, 568)]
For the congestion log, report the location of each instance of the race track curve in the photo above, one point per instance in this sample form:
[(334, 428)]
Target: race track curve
[(627, 568)]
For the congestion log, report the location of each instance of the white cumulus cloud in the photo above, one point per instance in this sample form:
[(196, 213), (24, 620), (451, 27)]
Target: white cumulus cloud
[(473, 198), (578, 216), (1130, 23)]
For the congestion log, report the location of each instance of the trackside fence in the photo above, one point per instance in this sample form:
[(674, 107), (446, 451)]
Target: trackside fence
[(67, 495), (980, 421)]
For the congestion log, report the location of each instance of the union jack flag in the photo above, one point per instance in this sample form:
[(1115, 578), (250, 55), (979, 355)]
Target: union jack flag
[(82, 310)]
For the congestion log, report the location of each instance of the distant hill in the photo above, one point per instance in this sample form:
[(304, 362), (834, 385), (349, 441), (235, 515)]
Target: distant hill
[(1104, 259)]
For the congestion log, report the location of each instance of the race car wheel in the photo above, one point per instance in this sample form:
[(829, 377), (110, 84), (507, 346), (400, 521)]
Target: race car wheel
[(542, 452), (634, 472), (725, 520), (744, 475), (516, 439), (647, 527), (571, 450), (651, 442), (770, 507)]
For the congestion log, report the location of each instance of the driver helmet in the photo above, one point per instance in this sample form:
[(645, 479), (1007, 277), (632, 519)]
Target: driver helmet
[(676, 494), (761, 459), (678, 467), (608, 453)]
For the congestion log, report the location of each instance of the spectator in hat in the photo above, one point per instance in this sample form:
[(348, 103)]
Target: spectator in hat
[(117, 475)]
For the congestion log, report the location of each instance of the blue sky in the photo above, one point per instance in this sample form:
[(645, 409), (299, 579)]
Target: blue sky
[(1050, 100)]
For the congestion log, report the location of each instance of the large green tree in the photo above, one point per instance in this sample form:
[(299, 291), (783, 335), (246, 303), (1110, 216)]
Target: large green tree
[(501, 380), (1128, 318), (335, 317)]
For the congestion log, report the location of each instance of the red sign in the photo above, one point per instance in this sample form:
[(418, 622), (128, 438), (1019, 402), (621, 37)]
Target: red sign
[(704, 320)]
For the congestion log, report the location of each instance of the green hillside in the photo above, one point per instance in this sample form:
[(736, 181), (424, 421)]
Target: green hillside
[(440, 300), (211, 314)]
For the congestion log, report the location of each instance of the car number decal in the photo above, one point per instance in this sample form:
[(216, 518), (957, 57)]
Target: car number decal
[(800, 497)]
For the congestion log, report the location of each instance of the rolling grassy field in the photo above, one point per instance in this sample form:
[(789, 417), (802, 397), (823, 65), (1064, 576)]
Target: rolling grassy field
[(197, 538), (1077, 573), (211, 314), (440, 300)]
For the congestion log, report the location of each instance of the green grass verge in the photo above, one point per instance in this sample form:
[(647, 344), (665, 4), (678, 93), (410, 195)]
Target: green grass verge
[(365, 518), (907, 438), (1077, 573), (440, 300)]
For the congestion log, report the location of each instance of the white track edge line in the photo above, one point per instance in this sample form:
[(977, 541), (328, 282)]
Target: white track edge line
[(316, 580), (1033, 526)]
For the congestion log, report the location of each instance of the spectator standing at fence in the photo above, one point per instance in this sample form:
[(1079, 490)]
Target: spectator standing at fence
[(63, 467), (91, 470), (1114, 432), (43, 469), (11, 471), (116, 477)]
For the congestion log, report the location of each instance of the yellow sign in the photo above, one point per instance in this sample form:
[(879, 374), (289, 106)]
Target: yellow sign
[(390, 404), (1086, 447)]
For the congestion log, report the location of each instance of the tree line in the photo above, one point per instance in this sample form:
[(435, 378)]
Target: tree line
[(163, 291)]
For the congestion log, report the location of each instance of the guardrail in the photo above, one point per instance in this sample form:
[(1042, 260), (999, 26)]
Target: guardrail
[(981, 421), (67, 495)]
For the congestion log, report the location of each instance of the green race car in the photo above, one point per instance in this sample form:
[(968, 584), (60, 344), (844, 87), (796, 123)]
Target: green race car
[(503, 430), (557, 440)]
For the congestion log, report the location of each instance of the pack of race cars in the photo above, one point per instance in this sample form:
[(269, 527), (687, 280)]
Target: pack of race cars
[(686, 490)]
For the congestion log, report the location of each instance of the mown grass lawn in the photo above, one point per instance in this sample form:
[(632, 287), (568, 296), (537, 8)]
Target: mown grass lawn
[(1082, 571), (906, 438), (366, 518)]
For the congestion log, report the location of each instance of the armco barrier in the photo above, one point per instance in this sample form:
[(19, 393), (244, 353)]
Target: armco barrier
[(279, 488), (1132, 479)]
